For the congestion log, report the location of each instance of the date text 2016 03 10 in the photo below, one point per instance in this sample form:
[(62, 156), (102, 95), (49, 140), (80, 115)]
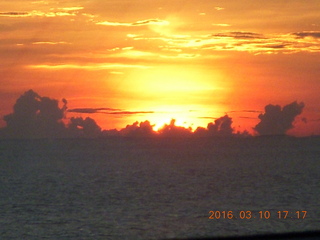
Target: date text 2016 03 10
[(283, 214)]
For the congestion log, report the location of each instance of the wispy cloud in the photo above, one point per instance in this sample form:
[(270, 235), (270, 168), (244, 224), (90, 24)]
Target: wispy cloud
[(207, 117), (182, 55), (244, 117), (132, 112), (134, 54), (59, 12), (108, 111), (40, 2), (219, 8), (138, 23), (49, 43), (252, 42), (240, 35), (14, 14), (245, 111), (221, 24), (71, 8), (313, 34), (91, 67), (93, 110)]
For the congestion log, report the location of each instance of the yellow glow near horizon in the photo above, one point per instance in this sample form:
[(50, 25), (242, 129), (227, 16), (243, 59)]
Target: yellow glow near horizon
[(164, 114), (186, 94), (174, 80)]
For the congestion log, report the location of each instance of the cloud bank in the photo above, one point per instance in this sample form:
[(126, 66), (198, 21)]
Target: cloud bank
[(34, 116)]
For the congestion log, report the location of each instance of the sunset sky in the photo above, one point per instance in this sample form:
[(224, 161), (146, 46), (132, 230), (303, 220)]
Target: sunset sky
[(121, 61)]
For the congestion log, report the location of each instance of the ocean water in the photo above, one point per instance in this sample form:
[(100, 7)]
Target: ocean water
[(157, 188)]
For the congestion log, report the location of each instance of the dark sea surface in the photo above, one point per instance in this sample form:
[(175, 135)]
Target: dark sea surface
[(157, 188)]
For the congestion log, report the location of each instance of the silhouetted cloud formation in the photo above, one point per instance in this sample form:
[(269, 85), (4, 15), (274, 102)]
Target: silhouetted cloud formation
[(41, 117), (171, 130), (35, 116), (220, 127), (142, 129), (79, 127), (277, 121)]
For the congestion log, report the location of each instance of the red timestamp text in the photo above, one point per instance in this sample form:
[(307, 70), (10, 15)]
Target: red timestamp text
[(283, 214)]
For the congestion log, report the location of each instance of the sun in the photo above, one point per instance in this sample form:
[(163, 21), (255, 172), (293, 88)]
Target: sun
[(164, 114), (187, 94)]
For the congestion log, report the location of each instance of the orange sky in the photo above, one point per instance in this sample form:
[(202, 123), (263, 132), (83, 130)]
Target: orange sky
[(156, 60)]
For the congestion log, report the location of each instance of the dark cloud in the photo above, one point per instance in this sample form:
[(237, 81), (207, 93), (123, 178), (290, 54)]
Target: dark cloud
[(277, 121), (79, 127), (131, 112), (13, 13), (142, 129), (171, 130), (314, 34), (247, 117), (138, 23), (41, 117), (148, 21), (245, 111), (220, 127), (107, 111), (35, 116), (92, 110), (207, 117), (240, 35), (275, 46)]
